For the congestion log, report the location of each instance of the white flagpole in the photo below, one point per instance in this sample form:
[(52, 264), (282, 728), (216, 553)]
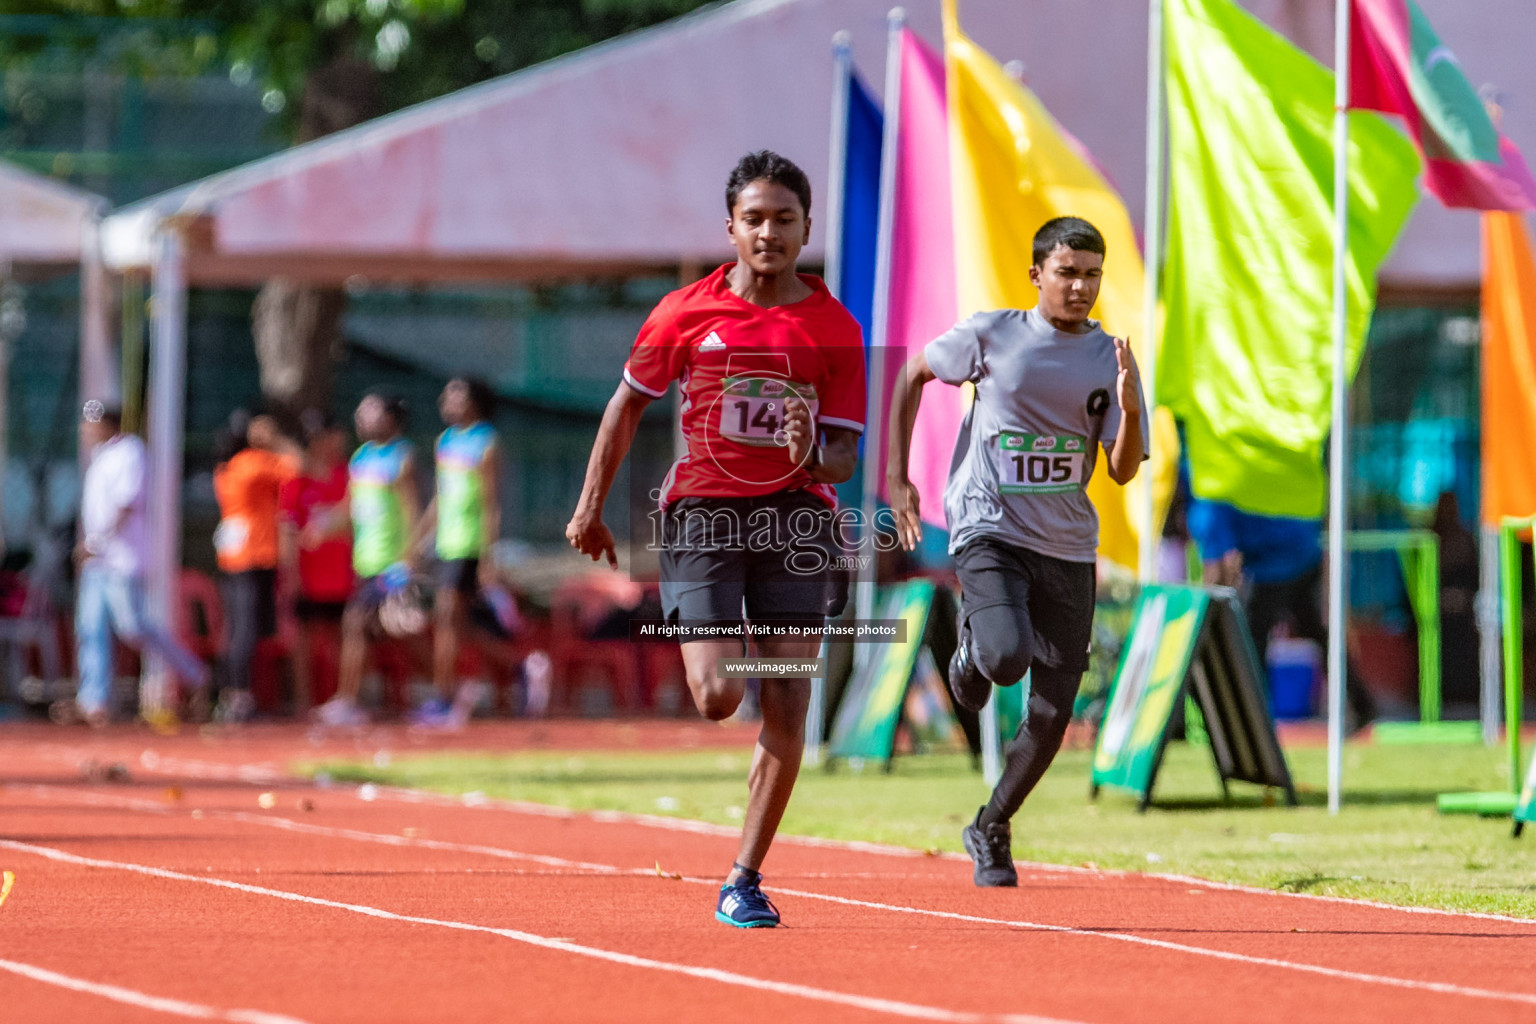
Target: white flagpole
[(842, 70), (1152, 245), (1338, 476), (874, 430), (1490, 639)]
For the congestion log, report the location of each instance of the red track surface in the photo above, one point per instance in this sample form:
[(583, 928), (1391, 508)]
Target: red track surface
[(180, 890)]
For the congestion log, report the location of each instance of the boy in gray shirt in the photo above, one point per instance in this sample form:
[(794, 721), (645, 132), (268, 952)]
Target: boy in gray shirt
[(1051, 388)]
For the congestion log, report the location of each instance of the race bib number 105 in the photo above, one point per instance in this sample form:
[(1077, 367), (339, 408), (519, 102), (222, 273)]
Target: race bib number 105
[(752, 409), (1040, 464)]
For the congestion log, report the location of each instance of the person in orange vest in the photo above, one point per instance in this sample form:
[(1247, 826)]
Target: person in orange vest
[(257, 461)]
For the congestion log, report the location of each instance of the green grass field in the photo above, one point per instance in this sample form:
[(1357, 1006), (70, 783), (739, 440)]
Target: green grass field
[(1389, 844)]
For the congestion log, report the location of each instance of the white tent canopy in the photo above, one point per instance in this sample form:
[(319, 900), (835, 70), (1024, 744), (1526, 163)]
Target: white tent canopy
[(614, 158), (53, 226), (43, 221)]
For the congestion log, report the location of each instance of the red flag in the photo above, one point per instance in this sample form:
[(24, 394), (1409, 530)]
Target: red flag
[(1399, 66)]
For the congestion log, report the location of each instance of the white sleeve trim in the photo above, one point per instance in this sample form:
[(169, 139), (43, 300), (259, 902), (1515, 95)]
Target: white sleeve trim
[(833, 421), (629, 379)]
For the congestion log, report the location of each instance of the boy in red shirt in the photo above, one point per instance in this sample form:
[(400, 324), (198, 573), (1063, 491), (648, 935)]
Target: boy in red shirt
[(316, 578), (769, 363)]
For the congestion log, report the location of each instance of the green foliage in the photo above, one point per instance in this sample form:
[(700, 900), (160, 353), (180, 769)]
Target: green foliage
[(420, 48)]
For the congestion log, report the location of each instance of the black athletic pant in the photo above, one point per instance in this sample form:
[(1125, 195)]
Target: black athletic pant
[(1298, 602), (1025, 612), (249, 615)]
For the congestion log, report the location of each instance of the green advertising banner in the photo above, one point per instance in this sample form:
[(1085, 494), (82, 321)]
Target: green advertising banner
[(871, 708), (1147, 686), (1525, 809), (1010, 702), (1189, 646)]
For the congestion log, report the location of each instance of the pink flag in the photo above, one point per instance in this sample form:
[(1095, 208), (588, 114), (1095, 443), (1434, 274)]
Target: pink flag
[(923, 303), (1399, 66)]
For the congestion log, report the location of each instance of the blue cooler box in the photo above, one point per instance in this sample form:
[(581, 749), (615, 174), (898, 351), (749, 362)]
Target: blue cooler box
[(1294, 667)]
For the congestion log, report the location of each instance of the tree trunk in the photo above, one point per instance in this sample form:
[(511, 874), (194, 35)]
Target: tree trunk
[(297, 326), (297, 329)]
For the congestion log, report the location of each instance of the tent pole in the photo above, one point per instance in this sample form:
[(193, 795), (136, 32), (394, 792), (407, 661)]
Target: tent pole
[(1338, 476), (6, 284), (875, 409), (1152, 247), (98, 376), (166, 409), (837, 181)]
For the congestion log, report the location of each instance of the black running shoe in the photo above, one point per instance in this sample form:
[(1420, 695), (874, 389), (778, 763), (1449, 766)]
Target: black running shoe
[(991, 852), (966, 683)]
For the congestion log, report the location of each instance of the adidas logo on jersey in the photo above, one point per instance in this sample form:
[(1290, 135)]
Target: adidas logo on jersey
[(711, 343)]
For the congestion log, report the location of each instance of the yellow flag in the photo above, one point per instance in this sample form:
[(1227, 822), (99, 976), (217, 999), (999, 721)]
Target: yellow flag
[(1012, 168)]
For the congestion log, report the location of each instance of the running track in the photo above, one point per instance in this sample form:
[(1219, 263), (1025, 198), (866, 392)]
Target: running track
[(175, 895)]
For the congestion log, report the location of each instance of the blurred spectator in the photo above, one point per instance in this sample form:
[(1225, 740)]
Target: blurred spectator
[(315, 572), (1458, 596), (111, 553), (1281, 561), (381, 508), (466, 515), (255, 462)]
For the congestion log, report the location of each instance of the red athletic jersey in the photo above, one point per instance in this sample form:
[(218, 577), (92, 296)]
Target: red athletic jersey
[(737, 363), (325, 570)]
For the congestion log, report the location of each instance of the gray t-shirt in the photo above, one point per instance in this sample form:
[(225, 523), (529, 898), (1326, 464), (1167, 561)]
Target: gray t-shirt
[(1045, 401)]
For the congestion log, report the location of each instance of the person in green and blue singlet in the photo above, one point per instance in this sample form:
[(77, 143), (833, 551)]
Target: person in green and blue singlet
[(467, 517), (382, 508)]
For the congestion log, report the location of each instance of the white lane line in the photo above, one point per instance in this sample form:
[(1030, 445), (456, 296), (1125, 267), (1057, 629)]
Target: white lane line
[(144, 1000), (263, 773), (1442, 988), (289, 825), (1439, 987), (893, 1007)]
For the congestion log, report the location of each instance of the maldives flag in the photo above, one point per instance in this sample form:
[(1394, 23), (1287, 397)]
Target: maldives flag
[(1399, 66)]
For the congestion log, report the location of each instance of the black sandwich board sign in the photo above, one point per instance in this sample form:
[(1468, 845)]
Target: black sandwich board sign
[(875, 699), (1188, 641)]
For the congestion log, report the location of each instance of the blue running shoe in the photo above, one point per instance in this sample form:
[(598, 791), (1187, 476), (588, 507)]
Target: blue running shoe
[(433, 714), (743, 905)]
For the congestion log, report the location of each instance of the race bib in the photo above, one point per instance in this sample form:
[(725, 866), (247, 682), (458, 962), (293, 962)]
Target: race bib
[(752, 409), (230, 535), (1040, 464)]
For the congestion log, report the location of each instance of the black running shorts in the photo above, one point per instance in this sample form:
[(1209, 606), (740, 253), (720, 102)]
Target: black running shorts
[(459, 574), (776, 557), (1050, 598)]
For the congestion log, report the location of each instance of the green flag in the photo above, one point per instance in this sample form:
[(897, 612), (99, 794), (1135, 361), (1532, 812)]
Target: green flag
[(1247, 356)]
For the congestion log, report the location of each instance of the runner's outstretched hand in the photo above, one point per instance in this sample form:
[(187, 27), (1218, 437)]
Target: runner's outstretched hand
[(798, 431), (588, 535), (1128, 379), (905, 507)]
